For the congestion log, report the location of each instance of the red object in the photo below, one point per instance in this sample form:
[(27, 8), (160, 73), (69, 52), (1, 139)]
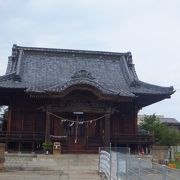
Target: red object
[(142, 151)]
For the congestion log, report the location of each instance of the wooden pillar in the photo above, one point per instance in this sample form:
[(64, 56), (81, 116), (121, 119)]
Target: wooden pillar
[(9, 120), (107, 128), (19, 147), (135, 128), (33, 146), (8, 126), (47, 135)]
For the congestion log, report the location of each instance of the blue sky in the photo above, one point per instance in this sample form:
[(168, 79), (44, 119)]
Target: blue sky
[(150, 29)]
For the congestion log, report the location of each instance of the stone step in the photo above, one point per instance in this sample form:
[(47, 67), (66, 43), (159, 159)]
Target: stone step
[(62, 167), (80, 162)]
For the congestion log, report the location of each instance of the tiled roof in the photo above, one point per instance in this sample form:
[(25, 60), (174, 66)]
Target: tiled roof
[(161, 118), (169, 120), (54, 70)]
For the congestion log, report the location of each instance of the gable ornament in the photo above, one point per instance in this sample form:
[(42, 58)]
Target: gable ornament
[(82, 74)]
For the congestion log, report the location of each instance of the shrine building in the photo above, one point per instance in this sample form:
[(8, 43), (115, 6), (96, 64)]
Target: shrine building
[(82, 99)]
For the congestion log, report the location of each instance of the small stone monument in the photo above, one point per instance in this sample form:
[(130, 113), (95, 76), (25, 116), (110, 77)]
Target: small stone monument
[(2, 158), (56, 148), (160, 154)]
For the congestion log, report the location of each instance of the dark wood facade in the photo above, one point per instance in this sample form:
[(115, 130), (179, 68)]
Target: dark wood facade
[(30, 121), (50, 113)]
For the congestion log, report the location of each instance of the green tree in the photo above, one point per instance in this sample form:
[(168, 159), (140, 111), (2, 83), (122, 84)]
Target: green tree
[(170, 137), (163, 134)]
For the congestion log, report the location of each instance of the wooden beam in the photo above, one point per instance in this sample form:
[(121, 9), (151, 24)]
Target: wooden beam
[(74, 109)]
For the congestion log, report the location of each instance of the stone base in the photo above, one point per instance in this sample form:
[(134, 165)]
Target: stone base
[(2, 158), (160, 154), (2, 168), (56, 152)]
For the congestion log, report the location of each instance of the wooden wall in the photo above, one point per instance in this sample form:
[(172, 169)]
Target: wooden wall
[(27, 121), (57, 128), (124, 121), (25, 116)]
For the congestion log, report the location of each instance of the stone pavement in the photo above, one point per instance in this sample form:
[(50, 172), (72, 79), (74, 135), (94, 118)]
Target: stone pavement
[(62, 167), (50, 175)]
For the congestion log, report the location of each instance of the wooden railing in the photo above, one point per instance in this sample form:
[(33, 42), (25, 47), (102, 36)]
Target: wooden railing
[(21, 136), (124, 138), (36, 136), (133, 138), (94, 140)]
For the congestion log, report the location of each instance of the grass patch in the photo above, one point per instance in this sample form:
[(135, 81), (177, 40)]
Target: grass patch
[(177, 154)]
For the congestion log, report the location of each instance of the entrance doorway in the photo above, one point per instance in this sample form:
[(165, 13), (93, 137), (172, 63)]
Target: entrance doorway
[(80, 130)]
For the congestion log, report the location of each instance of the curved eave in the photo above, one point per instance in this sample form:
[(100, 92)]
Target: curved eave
[(148, 99), (87, 84), (142, 88), (7, 88), (148, 94), (7, 93), (80, 82), (165, 94)]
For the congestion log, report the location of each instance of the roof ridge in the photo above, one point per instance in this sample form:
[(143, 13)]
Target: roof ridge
[(126, 71), (77, 51)]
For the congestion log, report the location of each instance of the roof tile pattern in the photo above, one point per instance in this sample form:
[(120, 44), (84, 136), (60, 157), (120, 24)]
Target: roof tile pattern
[(55, 70)]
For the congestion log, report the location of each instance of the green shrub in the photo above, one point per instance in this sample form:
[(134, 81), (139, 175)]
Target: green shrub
[(47, 145)]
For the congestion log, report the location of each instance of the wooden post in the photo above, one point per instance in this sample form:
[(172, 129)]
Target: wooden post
[(47, 135), (22, 125), (19, 147), (33, 147), (9, 120), (107, 128)]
